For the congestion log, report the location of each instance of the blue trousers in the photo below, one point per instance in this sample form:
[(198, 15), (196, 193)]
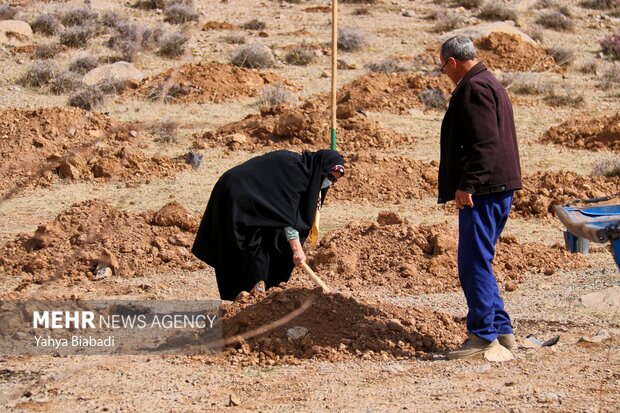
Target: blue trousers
[(479, 230)]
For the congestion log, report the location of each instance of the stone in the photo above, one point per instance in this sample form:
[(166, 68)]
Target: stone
[(484, 29), (510, 286), (604, 300), (297, 332), (289, 124), (344, 64), (14, 32), (601, 336), (102, 272), (118, 72), (68, 171), (394, 324), (498, 354)]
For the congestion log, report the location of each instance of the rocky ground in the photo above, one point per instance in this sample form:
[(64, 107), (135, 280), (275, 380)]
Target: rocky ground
[(121, 186)]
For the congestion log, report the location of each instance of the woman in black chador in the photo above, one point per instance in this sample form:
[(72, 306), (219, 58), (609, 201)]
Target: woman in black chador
[(259, 216)]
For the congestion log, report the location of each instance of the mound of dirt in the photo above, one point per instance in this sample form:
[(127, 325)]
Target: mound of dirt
[(390, 92), (597, 134), (93, 233), (377, 178), (41, 146), (337, 328), (306, 126), (205, 83), (509, 52), (399, 258), (215, 25), (544, 190)]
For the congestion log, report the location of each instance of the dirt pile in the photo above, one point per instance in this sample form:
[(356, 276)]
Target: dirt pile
[(400, 258), (378, 178), (390, 92), (216, 25), (41, 146), (337, 328), (306, 126), (597, 134), (509, 52), (94, 234), (542, 191), (206, 83)]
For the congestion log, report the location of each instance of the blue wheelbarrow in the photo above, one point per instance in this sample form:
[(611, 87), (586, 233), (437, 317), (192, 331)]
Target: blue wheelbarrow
[(589, 223)]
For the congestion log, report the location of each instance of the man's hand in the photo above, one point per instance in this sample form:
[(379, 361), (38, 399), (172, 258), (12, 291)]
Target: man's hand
[(299, 256), (463, 199)]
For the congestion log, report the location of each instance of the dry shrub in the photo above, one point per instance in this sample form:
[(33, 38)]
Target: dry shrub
[(563, 56), (447, 20), (275, 95), (46, 24), (556, 20), (525, 83), (611, 77), (87, 98), (254, 24), (253, 56), (84, 63), (610, 46), (65, 82), (566, 96), (172, 44), (467, 4), (300, 56), (78, 16), (351, 39), (40, 73), (166, 131), (76, 36), (494, 10), (389, 66), (589, 67), (166, 92), (600, 4), (7, 12), (112, 19), (47, 51), (234, 39), (179, 13), (537, 33), (433, 99), (608, 167)]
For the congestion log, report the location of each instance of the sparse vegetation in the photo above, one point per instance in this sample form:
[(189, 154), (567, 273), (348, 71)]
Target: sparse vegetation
[(234, 39), (112, 19), (610, 45), (166, 131), (556, 20), (563, 56), (254, 24), (87, 98), (76, 36), (589, 67), (389, 66), (300, 56), (611, 77), (38, 74), (46, 24), (447, 20), (78, 16), (567, 96), (84, 63), (493, 10), (129, 38), (600, 4), (351, 39), (166, 91), (7, 12), (64, 82), (433, 99), (112, 86), (525, 83), (608, 167), (537, 33), (180, 12), (275, 95), (172, 44), (253, 56), (47, 51), (468, 4)]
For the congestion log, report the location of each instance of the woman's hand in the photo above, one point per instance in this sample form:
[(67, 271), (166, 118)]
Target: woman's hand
[(299, 256)]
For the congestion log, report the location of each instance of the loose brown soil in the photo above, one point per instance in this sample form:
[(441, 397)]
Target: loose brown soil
[(510, 52), (39, 147), (94, 233), (215, 25), (597, 134), (306, 126), (391, 92), (377, 178), (206, 83), (339, 328), (394, 256), (542, 191)]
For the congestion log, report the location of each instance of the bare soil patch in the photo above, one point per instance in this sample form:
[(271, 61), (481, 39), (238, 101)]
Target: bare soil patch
[(510, 52), (594, 133)]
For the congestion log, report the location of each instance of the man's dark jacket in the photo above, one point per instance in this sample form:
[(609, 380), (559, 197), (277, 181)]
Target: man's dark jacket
[(479, 151)]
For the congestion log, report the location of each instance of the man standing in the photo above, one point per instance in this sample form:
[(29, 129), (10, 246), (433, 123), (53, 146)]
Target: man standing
[(480, 170)]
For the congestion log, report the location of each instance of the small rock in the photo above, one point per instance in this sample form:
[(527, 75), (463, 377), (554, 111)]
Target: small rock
[(510, 286), (394, 324), (297, 332), (102, 272), (133, 133), (194, 159), (407, 13), (498, 354), (344, 64)]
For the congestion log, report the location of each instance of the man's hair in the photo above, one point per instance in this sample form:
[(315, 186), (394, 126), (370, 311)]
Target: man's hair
[(459, 47)]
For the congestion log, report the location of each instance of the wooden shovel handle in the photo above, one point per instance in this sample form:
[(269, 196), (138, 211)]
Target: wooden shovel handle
[(315, 278)]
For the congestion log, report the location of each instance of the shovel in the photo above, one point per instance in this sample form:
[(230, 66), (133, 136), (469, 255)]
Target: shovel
[(315, 278)]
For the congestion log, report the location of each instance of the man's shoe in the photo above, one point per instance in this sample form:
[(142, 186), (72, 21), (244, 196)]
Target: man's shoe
[(508, 341), (473, 346)]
